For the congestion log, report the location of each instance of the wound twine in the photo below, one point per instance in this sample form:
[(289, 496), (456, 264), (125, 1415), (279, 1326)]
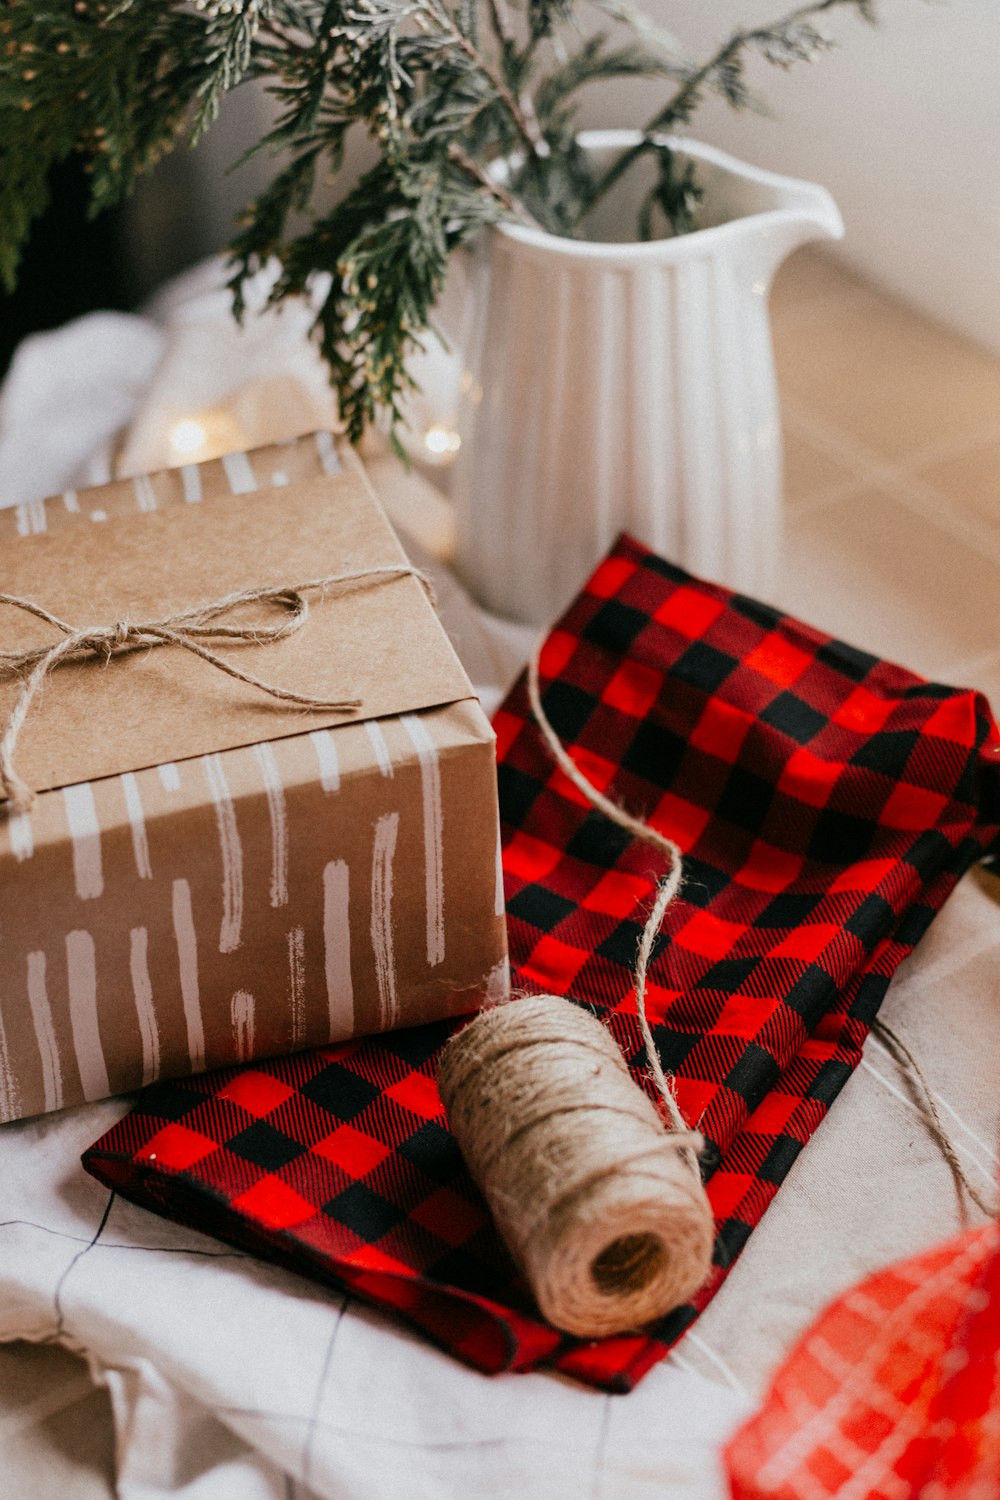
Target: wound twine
[(600, 1204), (188, 629)]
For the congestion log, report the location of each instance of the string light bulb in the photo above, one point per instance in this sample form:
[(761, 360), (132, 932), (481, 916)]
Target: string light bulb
[(441, 442), (188, 438)]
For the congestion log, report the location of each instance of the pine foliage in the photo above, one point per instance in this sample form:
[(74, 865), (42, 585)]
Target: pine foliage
[(444, 87)]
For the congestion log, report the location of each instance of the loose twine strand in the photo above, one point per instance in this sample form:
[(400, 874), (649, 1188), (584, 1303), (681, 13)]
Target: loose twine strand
[(188, 629), (667, 889), (926, 1106), (595, 1188)]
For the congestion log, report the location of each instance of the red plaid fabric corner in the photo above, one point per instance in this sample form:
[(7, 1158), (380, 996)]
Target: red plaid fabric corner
[(894, 1392), (826, 802)]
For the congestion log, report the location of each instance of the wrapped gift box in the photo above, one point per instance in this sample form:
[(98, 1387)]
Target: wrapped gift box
[(207, 875)]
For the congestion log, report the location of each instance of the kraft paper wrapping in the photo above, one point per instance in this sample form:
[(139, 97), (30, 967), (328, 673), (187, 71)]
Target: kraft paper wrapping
[(282, 880)]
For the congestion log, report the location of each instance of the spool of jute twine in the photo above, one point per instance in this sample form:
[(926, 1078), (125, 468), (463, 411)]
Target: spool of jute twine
[(593, 1196), (597, 1195)]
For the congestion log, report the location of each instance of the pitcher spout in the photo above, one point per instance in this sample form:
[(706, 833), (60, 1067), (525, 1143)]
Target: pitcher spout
[(804, 211), (809, 213), (769, 214), (818, 215)]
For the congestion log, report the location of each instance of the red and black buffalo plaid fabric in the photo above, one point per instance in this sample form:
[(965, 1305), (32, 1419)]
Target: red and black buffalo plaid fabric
[(826, 802)]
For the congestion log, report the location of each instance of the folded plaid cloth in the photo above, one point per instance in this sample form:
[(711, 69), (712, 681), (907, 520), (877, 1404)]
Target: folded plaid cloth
[(826, 803)]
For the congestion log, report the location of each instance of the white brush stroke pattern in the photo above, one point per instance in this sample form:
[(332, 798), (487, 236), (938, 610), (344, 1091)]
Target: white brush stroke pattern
[(497, 989), (327, 759), (85, 831), (145, 495), (45, 1034), (242, 1014), (170, 776), (81, 971), (145, 1010), (137, 818), (231, 930), (498, 897), (386, 829), (187, 965), (337, 948), (10, 1093), (430, 783), (382, 757), (71, 502), (22, 839), (191, 480), (326, 449), (239, 472), (278, 814), (31, 518), (297, 985)]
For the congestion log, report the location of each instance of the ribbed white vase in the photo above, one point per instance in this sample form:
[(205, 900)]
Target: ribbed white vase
[(615, 385)]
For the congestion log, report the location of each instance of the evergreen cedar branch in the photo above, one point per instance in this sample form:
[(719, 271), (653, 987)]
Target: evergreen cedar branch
[(443, 88)]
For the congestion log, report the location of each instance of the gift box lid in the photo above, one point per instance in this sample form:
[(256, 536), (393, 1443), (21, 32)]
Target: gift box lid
[(381, 643)]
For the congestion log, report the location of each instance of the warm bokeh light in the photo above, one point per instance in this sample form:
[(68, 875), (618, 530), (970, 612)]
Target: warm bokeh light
[(441, 441), (188, 437)]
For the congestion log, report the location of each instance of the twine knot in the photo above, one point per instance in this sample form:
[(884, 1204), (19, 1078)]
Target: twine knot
[(102, 641), (189, 629)]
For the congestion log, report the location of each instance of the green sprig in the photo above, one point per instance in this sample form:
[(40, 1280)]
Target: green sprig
[(442, 87)]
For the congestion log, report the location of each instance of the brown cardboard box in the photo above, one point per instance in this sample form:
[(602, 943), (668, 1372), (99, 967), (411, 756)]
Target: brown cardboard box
[(207, 875)]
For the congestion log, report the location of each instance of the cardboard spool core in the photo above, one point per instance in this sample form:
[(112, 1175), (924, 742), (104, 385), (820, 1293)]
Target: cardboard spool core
[(628, 1264)]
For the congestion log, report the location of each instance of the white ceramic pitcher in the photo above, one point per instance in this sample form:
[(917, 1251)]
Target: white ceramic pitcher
[(613, 385)]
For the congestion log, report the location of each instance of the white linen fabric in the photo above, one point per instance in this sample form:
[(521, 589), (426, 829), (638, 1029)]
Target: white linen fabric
[(66, 397), (232, 1380), (210, 1376)]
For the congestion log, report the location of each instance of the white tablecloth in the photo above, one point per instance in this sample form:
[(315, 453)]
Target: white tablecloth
[(229, 1380)]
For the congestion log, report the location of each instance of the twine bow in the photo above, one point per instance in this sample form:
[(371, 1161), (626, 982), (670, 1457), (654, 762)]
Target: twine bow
[(189, 629)]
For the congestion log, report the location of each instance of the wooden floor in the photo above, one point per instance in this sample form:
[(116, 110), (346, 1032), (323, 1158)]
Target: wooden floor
[(892, 432)]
